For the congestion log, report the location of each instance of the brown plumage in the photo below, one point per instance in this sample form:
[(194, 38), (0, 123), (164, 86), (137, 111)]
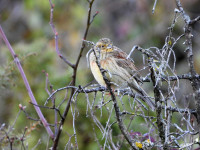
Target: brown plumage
[(121, 70)]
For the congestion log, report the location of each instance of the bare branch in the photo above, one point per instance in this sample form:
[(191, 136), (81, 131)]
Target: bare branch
[(56, 36), (117, 110), (17, 61), (154, 6), (194, 20), (75, 67), (189, 51)]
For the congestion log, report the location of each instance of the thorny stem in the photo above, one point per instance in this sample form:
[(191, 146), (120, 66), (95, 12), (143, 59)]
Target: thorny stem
[(17, 61)]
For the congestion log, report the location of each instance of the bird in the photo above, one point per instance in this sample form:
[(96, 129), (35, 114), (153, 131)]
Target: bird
[(120, 69)]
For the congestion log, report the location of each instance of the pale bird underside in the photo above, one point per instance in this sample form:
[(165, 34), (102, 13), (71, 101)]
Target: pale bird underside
[(120, 70)]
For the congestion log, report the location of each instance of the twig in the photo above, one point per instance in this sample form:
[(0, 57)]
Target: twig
[(175, 78), (54, 108), (123, 92), (158, 101), (154, 6), (38, 143), (56, 36), (74, 76), (17, 61), (53, 102), (60, 89), (189, 51), (194, 20), (23, 138), (117, 110), (9, 139)]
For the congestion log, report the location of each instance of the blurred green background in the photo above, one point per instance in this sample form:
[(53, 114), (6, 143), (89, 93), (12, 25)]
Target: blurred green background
[(26, 24)]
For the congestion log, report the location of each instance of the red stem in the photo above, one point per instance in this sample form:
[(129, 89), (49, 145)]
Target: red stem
[(33, 100)]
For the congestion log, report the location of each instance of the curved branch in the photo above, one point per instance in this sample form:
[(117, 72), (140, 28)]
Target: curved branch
[(19, 66)]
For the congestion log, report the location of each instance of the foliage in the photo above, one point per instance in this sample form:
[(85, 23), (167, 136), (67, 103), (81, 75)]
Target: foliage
[(92, 121)]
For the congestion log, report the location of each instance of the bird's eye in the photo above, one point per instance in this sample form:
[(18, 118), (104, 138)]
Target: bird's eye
[(102, 46)]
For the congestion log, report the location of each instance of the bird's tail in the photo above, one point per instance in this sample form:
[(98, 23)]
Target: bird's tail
[(135, 86), (147, 99)]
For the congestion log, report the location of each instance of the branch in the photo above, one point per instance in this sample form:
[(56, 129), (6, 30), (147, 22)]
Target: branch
[(194, 20), (56, 36), (75, 67), (174, 78), (33, 100), (86, 31), (154, 6), (123, 92), (188, 42), (117, 110), (158, 101)]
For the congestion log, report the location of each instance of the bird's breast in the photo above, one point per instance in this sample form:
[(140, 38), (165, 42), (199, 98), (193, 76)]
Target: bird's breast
[(97, 73)]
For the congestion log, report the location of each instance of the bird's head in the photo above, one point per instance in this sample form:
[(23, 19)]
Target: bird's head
[(104, 45)]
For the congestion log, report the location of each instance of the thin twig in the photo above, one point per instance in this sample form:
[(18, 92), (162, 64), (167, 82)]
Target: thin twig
[(154, 6), (31, 95), (74, 76), (189, 51), (121, 125), (194, 20), (56, 36)]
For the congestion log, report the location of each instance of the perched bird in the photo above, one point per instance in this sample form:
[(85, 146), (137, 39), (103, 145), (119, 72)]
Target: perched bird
[(120, 70)]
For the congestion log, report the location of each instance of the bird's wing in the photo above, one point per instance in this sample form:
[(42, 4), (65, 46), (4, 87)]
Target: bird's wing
[(122, 61)]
